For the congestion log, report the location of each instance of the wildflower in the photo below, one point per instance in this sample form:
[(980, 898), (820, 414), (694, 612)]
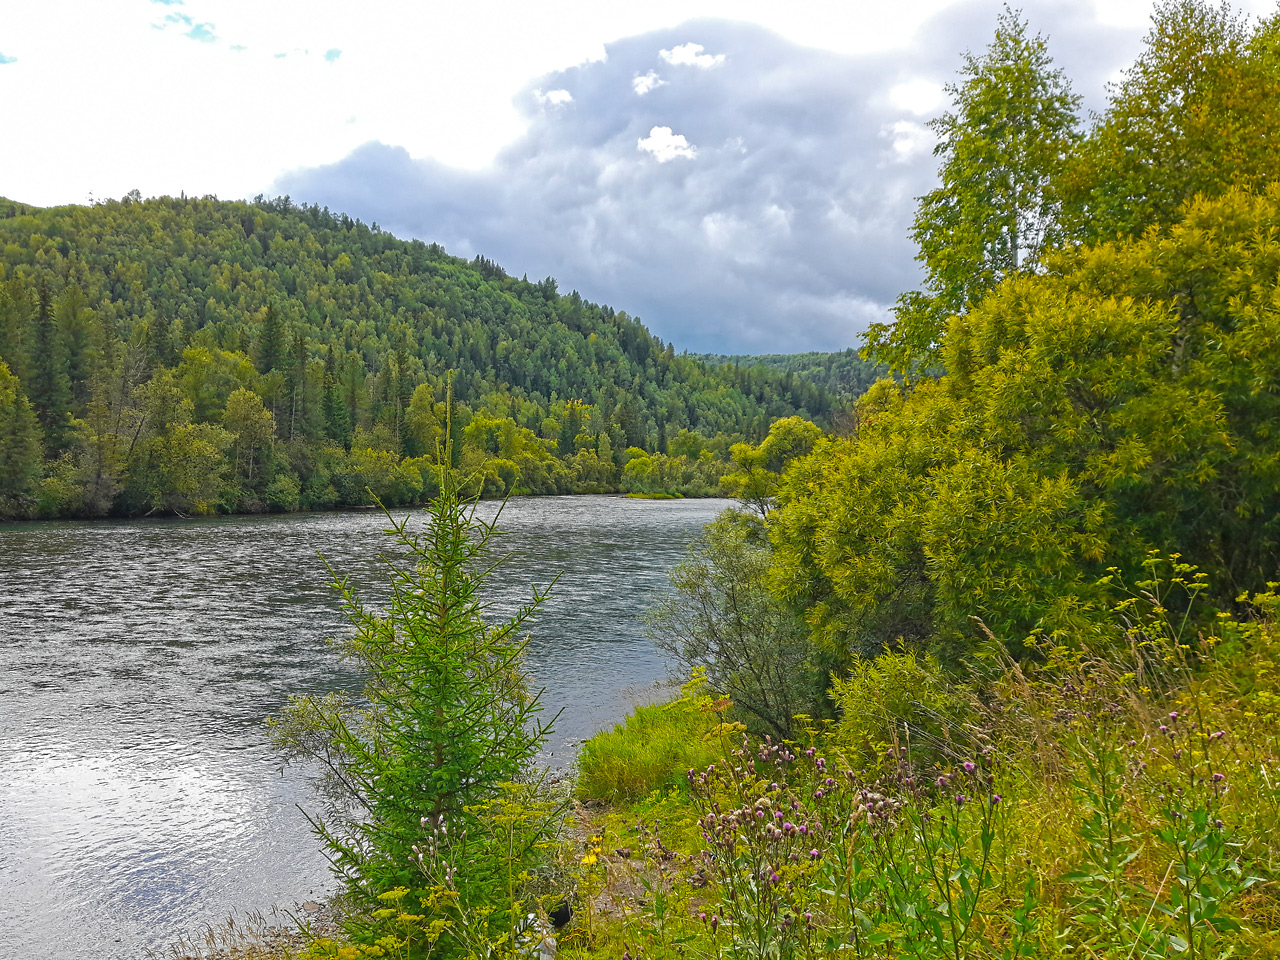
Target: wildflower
[(814, 854), (996, 798), (969, 767), (715, 922), (1218, 778)]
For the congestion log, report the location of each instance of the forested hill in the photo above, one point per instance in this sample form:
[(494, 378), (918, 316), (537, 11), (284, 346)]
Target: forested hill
[(286, 349), (843, 373)]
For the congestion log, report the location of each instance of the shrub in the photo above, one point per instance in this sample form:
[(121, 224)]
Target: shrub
[(896, 699), (722, 618)]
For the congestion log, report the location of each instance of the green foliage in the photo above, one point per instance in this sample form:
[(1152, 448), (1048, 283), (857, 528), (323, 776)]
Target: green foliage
[(758, 469), (1119, 402), (721, 620), (20, 459), (1194, 115), (658, 473), (995, 211), (898, 699), (340, 330), (446, 717), (654, 747), (844, 374)]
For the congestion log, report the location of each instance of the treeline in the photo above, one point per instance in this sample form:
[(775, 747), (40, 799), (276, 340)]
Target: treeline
[(192, 355), (844, 374)]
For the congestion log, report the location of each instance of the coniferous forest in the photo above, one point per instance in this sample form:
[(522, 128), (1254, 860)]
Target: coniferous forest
[(195, 356)]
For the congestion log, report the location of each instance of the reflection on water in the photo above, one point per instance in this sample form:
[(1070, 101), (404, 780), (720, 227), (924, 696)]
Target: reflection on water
[(138, 662)]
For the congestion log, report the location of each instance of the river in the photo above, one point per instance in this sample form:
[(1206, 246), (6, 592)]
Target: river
[(139, 797)]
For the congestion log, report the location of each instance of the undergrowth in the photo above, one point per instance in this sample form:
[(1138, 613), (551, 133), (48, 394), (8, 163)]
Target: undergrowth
[(1116, 801)]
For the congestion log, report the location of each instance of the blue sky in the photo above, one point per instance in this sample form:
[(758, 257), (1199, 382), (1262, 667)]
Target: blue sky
[(739, 174)]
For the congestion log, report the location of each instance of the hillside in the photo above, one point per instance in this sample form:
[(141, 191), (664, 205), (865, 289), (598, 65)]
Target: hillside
[(200, 355), (842, 373)]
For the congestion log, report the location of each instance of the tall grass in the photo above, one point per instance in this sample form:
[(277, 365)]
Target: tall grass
[(653, 748)]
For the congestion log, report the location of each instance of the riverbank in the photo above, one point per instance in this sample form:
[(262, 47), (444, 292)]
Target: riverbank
[(1070, 810), (262, 510), (279, 934)]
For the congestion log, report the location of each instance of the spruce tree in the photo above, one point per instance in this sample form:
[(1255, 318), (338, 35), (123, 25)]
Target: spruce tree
[(50, 384), (20, 459), (446, 718), (271, 341), (337, 421)]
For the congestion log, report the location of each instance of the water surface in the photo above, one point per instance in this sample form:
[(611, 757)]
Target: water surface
[(139, 660)]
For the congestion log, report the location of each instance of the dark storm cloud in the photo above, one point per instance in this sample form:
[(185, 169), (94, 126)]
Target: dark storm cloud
[(779, 222)]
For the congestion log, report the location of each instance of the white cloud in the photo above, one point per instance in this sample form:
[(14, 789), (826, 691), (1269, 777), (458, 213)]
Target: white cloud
[(691, 55), (650, 81), (665, 145), (919, 96), (908, 140), (554, 97)]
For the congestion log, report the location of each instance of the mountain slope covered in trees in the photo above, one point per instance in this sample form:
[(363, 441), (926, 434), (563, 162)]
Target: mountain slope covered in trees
[(199, 355), (843, 373)]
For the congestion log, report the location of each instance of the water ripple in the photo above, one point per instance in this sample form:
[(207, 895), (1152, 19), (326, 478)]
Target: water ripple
[(139, 797)]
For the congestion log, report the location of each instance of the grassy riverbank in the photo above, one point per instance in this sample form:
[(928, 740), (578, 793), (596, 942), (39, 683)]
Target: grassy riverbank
[(1117, 805)]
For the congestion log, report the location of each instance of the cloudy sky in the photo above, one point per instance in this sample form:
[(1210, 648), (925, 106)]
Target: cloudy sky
[(739, 174)]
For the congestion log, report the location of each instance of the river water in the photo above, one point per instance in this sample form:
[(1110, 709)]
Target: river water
[(139, 797)]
